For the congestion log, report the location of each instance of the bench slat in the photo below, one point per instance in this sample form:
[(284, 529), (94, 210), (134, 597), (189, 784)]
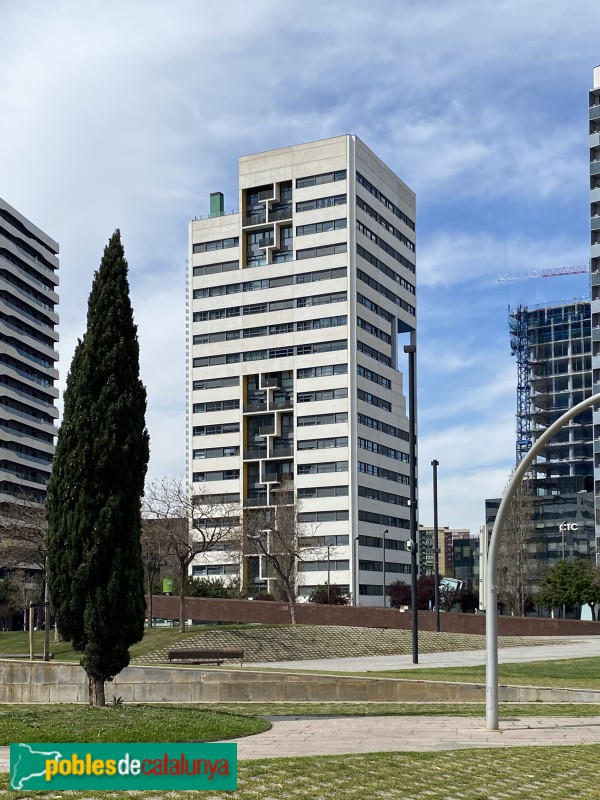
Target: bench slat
[(205, 655)]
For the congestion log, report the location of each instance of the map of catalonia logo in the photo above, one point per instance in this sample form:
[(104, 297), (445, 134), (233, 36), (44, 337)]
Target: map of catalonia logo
[(128, 766)]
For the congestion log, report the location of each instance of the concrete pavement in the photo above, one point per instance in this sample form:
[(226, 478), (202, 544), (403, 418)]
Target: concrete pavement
[(336, 736), (557, 648), (301, 736)]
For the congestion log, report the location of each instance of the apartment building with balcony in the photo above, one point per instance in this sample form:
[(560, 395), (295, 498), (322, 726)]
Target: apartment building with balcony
[(28, 340), (299, 306), (446, 538), (594, 145)]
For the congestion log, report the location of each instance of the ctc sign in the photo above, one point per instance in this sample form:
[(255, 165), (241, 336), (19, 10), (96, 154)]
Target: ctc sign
[(567, 526)]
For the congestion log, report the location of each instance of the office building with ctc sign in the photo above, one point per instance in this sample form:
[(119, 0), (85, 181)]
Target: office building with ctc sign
[(553, 348)]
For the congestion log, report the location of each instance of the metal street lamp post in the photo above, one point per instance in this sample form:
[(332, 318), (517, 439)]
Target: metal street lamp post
[(411, 350), (384, 535), (436, 563), (562, 530), (328, 573), (355, 593)]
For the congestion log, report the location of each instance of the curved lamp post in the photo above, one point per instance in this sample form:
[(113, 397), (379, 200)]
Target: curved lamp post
[(491, 573)]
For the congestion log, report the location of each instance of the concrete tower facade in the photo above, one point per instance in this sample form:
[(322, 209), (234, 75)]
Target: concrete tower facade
[(28, 339), (296, 307), (594, 139)]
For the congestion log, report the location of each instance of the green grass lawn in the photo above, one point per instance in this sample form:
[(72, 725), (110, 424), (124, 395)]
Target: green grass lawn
[(15, 642), (526, 773), (129, 723), (148, 723), (349, 709), (576, 673)]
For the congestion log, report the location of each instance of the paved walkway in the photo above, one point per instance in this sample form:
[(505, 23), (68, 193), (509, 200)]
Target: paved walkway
[(301, 736), (336, 736), (568, 648)]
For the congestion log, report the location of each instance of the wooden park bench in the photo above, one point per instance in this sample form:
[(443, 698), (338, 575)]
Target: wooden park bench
[(198, 655)]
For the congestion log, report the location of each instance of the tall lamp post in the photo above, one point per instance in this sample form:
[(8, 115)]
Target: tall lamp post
[(384, 535), (328, 573), (436, 563), (562, 530), (411, 350)]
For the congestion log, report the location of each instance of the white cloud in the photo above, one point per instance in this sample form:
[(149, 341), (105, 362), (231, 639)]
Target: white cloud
[(459, 257), (461, 498), (472, 392), (475, 462), (128, 114)]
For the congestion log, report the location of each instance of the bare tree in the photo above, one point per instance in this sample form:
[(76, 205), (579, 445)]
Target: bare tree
[(273, 533), (155, 552), (6, 605), (190, 524), (516, 563), (25, 589), (23, 530)]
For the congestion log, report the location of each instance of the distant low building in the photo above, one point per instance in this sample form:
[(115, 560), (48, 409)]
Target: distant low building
[(446, 537), (465, 557)]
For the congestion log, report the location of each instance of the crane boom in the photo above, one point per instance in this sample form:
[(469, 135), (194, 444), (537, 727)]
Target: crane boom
[(544, 273)]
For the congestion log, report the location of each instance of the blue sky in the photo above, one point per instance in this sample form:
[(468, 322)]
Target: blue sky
[(128, 114)]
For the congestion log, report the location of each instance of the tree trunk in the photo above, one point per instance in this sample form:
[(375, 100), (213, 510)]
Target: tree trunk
[(182, 578), (149, 600), (292, 610), (46, 621), (96, 691)]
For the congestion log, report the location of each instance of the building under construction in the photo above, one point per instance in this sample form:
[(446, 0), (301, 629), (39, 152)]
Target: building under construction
[(552, 345), (594, 201), (558, 365), (553, 349)]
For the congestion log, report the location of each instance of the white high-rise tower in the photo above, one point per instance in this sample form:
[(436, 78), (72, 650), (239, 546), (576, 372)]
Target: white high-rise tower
[(297, 304)]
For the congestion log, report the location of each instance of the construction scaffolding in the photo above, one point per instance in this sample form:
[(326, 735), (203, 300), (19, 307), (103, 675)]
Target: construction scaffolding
[(519, 348), (552, 347)]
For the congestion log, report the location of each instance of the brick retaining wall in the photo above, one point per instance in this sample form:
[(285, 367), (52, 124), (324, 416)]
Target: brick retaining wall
[(212, 610)]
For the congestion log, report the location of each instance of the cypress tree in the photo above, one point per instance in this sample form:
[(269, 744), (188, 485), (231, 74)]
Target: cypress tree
[(95, 568)]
